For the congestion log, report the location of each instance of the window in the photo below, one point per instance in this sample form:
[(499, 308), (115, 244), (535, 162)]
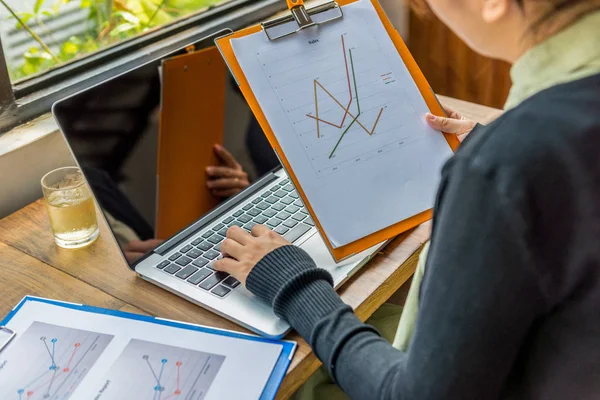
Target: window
[(53, 48)]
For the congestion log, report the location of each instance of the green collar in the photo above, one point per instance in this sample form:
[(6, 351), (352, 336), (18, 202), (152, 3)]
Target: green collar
[(571, 54)]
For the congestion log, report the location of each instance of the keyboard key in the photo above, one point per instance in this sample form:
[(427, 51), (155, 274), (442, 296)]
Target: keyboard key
[(299, 203), (283, 215), (288, 188), (214, 279), (269, 213), (221, 291), (263, 206), (223, 232), (299, 216), (197, 242), (274, 188), (227, 220), (265, 195), (186, 272), (247, 207), (284, 182), (171, 269), (254, 212), (238, 213), (201, 262), (186, 249), (211, 266), (244, 219), (216, 239), (218, 247), (194, 253), (175, 256), (231, 282), (296, 233), (274, 222), (200, 276), (278, 207), (211, 254), (256, 200), (206, 235), (281, 193), (309, 221), (218, 227), (237, 223), (292, 209), (287, 200), (163, 264), (249, 226), (204, 246), (183, 261), (290, 223), (260, 219), (272, 200), (281, 230), (294, 195)]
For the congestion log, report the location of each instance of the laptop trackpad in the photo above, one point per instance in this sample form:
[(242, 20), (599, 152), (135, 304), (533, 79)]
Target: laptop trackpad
[(320, 254)]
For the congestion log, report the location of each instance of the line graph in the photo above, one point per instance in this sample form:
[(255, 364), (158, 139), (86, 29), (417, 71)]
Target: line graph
[(347, 108), (164, 373), (49, 362), (341, 97)]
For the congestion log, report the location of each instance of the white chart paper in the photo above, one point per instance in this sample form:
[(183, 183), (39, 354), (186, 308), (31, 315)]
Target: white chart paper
[(350, 120), (62, 353)]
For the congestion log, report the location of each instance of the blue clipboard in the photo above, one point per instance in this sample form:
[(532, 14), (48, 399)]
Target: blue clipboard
[(271, 387)]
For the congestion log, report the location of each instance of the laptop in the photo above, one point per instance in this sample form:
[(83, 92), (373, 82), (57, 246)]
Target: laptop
[(112, 131)]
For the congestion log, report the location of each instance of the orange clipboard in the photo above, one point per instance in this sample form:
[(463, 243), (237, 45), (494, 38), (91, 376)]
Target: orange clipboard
[(191, 122), (302, 17)]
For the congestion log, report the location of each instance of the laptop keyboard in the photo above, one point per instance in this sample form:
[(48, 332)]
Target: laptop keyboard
[(279, 208)]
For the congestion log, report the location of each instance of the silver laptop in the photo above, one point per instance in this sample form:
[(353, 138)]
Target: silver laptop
[(112, 130)]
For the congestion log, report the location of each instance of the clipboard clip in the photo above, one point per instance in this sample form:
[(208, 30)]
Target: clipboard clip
[(11, 336), (301, 18)]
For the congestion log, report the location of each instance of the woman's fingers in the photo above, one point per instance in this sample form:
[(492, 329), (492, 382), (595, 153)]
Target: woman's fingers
[(450, 125), (232, 248), (224, 172), (228, 265), (226, 157), (227, 183), (239, 235), (260, 230)]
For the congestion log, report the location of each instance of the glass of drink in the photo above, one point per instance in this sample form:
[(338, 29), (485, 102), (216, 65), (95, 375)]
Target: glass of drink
[(71, 208)]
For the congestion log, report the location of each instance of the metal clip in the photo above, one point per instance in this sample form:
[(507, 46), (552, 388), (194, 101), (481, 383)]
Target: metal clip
[(10, 338)]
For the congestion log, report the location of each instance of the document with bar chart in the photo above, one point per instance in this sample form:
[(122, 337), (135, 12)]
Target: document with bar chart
[(65, 351), (350, 121)]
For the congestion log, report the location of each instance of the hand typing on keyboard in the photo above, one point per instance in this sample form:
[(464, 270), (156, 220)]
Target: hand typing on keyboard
[(244, 250)]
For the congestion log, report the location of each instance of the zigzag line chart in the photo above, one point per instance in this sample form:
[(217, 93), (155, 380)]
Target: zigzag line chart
[(49, 362)]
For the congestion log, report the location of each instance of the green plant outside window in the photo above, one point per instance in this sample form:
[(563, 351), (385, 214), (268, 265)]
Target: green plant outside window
[(108, 22)]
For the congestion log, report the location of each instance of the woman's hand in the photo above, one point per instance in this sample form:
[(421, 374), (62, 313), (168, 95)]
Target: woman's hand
[(228, 178), (136, 249), (455, 123), (243, 250)]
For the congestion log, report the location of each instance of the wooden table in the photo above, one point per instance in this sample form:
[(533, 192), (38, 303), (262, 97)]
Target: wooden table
[(31, 264)]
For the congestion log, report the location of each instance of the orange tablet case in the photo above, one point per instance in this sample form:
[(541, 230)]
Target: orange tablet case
[(191, 122), (356, 247)]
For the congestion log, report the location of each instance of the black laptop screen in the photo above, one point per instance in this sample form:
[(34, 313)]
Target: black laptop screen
[(113, 130)]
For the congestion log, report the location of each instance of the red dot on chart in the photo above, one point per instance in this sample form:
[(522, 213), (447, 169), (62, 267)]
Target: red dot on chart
[(178, 363), (29, 393), (66, 370), (77, 344), (178, 391)]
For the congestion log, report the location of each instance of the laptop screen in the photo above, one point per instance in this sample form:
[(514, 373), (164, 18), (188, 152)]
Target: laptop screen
[(113, 131)]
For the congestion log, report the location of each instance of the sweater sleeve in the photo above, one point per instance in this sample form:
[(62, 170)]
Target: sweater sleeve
[(479, 298)]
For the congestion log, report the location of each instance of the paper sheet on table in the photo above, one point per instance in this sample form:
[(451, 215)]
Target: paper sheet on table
[(62, 353), (350, 120)]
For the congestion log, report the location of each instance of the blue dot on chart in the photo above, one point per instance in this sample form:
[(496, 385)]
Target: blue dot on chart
[(164, 360), (20, 391), (54, 340), (52, 368), (156, 388)]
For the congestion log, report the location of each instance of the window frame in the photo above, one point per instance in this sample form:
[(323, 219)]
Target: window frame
[(35, 96)]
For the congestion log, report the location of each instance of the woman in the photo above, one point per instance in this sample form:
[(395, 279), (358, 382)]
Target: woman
[(510, 300)]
